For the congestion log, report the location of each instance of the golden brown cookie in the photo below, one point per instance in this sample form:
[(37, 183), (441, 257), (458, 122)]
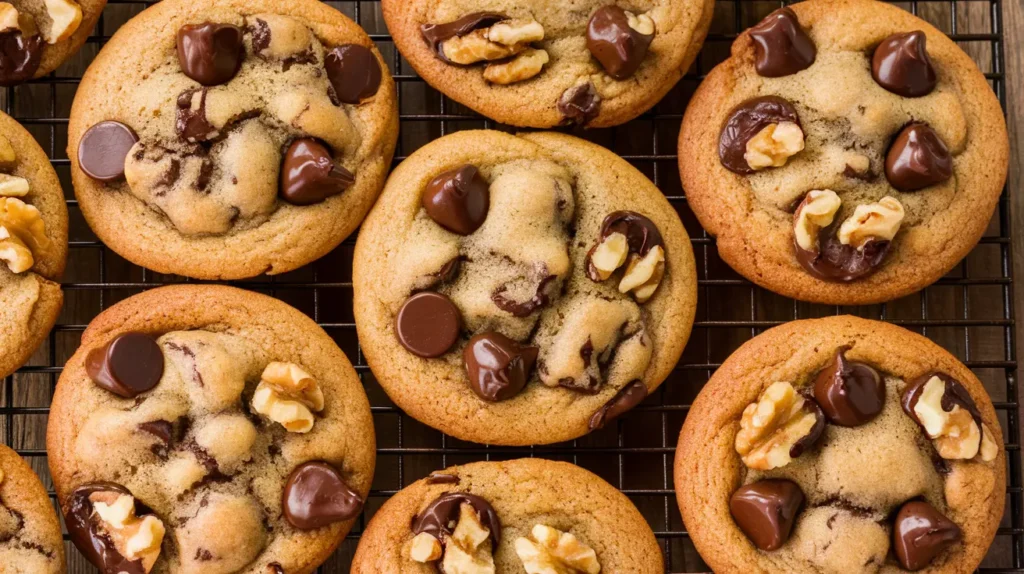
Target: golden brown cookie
[(206, 429), (541, 64), (30, 539), (530, 515), (232, 138), (846, 153), (38, 35), (841, 445), (521, 289)]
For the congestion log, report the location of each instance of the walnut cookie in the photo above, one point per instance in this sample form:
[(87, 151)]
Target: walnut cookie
[(541, 64), (521, 289), (847, 153), (841, 445), (532, 515), (30, 539), (207, 429), (231, 138), (37, 36), (33, 245)]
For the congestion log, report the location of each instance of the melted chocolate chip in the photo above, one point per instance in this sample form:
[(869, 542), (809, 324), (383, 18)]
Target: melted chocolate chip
[(954, 394), (921, 533), (458, 200), (428, 324), (310, 175), (87, 534), (498, 367), (442, 514), (354, 72), (744, 123), (436, 34), (209, 53), (523, 308), (580, 104), (19, 56), (163, 431), (316, 496), (103, 150), (628, 397), (190, 121), (917, 159), (812, 436), (127, 366), (439, 478), (617, 46), (900, 64), (850, 393), (781, 46), (766, 510)]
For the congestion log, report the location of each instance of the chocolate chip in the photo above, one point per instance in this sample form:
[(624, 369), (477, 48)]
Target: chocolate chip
[(812, 436), (917, 159), (540, 298), (834, 261), (900, 64), (458, 200), (921, 533), (316, 496), (617, 46), (354, 72), (310, 175), (88, 535), (498, 367), (580, 104), (850, 393), (436, 34), (781, 46), (440, 517), (103, 150), (190, 119), (439, 478), (163, 431), (209, 53), (954, 394), (428, 324), (19, 57), (745, 121), (628, 397), (127, 366), (766, 510), (260, 32)]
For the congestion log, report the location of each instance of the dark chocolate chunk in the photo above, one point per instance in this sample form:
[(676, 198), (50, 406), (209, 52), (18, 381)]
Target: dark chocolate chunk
[(580, 104), (316, 496), (354, 72), (440, 517), (103, 150), (190, 120), (617, 46), (744, 123), (766, 510), (628, 397), (781, 46), (917, 159), (428, 324), (310, 175), (498, 367), (458, 200), (436, 34), (87, 534), (850, 393), (19, 56), (921, 533), (261, 34), (162, 430), (210, 53), (900, 64), (812, 436), (127, 366)]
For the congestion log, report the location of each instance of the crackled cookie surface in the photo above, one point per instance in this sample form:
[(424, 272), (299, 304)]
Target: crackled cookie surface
[(232, 140), (541, 64), (847, 153), (527, 515), (521, 290), (841, 445), (30, 539), (210, 430), (33, 245), (36, 36)]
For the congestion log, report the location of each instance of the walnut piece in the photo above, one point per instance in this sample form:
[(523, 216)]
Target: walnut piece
[(523, 67), (644, 274), (609, 255), (288, 395), (552, 551), (475, 47), (425, 548), (642, 23), (13, 186), (879, 221), (468, 549), (512, 32), (816, 211), (502, 40), (65, 18), (136, 538), (22, 234), (8, 17), (955, 433), (989, 447), (774, 145), (770, 428)]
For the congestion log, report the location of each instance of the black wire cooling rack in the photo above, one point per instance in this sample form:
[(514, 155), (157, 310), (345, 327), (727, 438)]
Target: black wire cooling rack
[(969, 312)]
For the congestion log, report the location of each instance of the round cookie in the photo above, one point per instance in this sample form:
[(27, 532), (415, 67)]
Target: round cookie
[(502, 331), (826, 493), (255, 136), (221, 422), (39, 35), (551, 514), (30, 539), (538, 64), (33, 245), (891, 155)]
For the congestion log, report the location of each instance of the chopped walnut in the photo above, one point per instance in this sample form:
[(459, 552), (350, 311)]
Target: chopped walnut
[(475, 47), (512, 32), (425, 548), (136, 538), (609, 255), (552, 551), (288, 395), (12, 186), (642, 23), (22, 234), (816, 211), (774, 145), (65, 18), (644, 274), (777, 427), (468, 549), (955, 433), (523, 67), (879, 221)]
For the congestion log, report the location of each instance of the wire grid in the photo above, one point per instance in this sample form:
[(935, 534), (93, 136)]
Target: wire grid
[(970, 311)]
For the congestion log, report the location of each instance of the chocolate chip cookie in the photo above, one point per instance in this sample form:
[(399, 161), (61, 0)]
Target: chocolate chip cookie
[(30, 539), (841, 445), (33, 245), (36, 36), (847, 153), (234, 139), (521, 289), (206, 429), (529, 515), (541, 64)]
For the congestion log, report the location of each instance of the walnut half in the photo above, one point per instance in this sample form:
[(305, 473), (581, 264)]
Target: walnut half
[(288, 395), (877, 221), (778, 427), (774, 145), (523, 67), (22, 234), (468, 549), (551, 551)]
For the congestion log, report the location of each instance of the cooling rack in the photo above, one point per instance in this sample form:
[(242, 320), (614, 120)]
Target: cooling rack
[(969, 312)]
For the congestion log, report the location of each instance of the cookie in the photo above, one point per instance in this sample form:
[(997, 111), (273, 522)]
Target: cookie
[(33, 245), (846, 153), (36, 36), (841, 445), (30, 539), (207, 429), (523, 289), (243, 137), (530, 515), (597, 63)]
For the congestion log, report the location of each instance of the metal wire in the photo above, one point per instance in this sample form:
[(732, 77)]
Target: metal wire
[(970, 311)]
